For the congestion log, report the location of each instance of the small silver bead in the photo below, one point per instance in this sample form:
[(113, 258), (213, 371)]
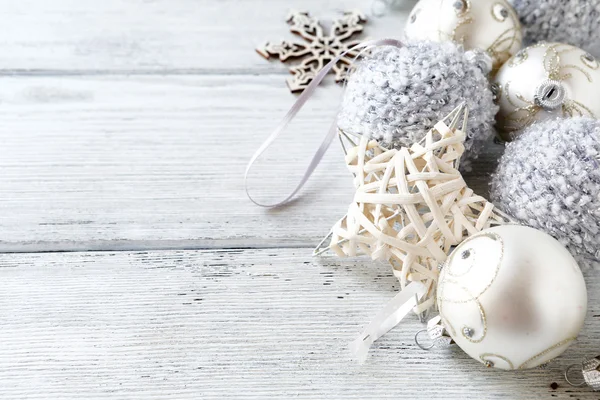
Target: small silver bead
[(504, 12), (466, 254), (489, 364), (459, 5), (468, 332), (589, 57)]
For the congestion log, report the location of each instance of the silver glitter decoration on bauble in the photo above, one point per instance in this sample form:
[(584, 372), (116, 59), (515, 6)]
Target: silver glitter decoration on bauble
[(549, 179), (397, 94), (575, 22)]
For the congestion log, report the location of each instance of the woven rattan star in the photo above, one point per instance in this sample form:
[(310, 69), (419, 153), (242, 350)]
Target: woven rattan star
[(320, 48), (411, 205)]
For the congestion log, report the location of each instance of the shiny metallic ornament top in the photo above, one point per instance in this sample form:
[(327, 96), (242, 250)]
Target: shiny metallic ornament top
[(437, 334), (590, 370), (550, 95)]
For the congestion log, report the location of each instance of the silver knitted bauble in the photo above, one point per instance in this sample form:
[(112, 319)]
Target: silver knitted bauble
[(575, 22), (397, 94), (549, 178)]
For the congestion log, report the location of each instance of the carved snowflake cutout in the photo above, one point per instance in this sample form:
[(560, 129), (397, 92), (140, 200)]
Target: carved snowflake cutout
[(320, 48)]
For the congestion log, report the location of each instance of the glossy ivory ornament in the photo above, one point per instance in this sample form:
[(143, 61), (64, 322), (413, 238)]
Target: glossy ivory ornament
[(512, 297), (546, 80), (488, 25)]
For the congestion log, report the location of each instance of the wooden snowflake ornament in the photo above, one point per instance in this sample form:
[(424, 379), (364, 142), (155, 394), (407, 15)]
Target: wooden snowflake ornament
[(412, 205), (320, 48)]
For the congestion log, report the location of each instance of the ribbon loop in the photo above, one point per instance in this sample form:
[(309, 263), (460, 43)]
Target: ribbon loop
[(289, 116)]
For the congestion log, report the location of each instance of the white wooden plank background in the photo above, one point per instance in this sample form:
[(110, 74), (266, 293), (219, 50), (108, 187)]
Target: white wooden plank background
[(126, 126), (270, 323), (136, 162), (157, 36)]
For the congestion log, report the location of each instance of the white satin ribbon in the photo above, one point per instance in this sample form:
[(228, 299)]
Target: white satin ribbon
[(391, 315), (289, 116)]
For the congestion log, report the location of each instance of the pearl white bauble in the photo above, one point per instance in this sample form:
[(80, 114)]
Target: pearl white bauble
[(546, 80), (488, 25), (512, 297)]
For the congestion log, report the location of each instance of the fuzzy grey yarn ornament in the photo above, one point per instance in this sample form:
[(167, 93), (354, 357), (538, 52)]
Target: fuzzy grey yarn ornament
[(575, 22), (396, 95), (549, 178)]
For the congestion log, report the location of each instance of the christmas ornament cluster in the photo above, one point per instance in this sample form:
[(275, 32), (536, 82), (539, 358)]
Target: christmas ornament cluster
[(504, 275), (511, 296), (474, 51)]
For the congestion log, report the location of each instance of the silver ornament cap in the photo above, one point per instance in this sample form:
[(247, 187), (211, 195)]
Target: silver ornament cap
[(591, 372), (437, 334), (550, 95)]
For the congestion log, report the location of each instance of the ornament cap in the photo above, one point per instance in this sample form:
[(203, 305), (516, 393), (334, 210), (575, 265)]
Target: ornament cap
[(590, 372), (437, 333), (550, 95)]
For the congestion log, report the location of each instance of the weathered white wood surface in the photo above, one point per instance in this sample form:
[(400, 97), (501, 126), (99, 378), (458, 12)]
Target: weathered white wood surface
[(230, 324), (139, 162), (158, 36), (126, 125)]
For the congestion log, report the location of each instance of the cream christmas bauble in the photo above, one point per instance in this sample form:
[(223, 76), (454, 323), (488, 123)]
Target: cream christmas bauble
[(489, 25), (546, 80), (512, 297)]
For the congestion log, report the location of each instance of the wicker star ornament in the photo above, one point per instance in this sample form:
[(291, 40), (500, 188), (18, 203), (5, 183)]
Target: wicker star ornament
[(411, 205)]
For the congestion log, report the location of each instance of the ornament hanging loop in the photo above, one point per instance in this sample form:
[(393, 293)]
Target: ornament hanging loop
[(422, 347), (289, 116), (568, 370), (590, 372), (437, 334)]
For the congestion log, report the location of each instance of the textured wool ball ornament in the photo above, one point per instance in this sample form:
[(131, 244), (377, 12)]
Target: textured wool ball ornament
[(544, 81), (396, 95), (488, 25), (512, 297), (549, 178), (576, 22)]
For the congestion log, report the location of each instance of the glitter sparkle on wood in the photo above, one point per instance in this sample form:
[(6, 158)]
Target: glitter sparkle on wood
[(319, 48)]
